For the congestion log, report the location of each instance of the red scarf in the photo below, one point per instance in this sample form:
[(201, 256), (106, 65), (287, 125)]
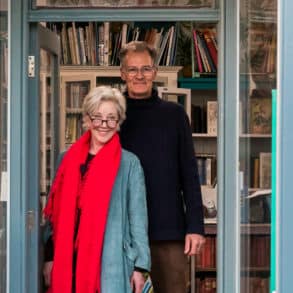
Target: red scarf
[(93, 195)]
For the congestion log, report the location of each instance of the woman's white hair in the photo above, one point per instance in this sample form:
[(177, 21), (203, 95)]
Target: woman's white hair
[(100, 94)]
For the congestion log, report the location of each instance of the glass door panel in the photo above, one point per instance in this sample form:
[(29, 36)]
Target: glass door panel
[(44, 141), (258, 37), (47, 122), (3, 143)]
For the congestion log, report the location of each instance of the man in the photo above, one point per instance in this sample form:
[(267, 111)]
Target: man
[(158, 132)]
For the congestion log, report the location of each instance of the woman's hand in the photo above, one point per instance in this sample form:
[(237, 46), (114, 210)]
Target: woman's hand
[(47, 272), (137, 282)]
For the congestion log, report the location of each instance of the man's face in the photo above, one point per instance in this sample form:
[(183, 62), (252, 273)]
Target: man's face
[(139, 72)]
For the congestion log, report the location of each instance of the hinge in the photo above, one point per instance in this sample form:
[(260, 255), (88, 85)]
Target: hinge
[(31, 66), (30, 220)]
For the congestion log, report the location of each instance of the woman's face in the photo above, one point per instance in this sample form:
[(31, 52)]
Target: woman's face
[(104, 122)]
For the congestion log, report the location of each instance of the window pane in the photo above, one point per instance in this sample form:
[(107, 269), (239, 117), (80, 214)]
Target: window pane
[(3, 142), (258, 35), (126, 3)]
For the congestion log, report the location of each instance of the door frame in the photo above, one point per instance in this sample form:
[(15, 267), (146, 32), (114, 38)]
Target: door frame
[(17, 146), (18, 122)]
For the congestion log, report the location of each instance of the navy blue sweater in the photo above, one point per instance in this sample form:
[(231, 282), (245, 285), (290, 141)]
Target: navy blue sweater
[(158, 132)]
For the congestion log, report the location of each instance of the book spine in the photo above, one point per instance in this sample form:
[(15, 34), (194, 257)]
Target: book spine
[(198, 58)]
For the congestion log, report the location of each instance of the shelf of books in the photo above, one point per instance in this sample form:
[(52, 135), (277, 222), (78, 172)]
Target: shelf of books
[(204, 50), (98, 43)]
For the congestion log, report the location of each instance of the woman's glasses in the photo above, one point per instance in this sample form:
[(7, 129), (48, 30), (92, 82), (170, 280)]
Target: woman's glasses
[(98, 121)]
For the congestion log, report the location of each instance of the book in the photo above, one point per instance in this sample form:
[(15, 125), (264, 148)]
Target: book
[(162, 48), (76, 44), (81, 38), (209, 200), (255, 173), (93, 41), (212, 117), (211, 170), (107, 48), (197, 66), (170, 43), (71, 46), (65, 45), (211, 47), (198, 119), (265, 172), (260, 119), (201, 170), (206, 51)]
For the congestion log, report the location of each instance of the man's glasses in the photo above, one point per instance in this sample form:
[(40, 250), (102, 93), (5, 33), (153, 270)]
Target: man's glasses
[(146, 71), (98, 121)]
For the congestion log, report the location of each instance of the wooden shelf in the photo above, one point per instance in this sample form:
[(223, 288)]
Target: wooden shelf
[(198, 83), (255, 135), (205, 135), (74, 110), (256, 229), (246, 229), (249, 270)]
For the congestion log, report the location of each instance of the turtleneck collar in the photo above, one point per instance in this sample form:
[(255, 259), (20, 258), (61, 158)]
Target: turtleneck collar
[(145, 102)]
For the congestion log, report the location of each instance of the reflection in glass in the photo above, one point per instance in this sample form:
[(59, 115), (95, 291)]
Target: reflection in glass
[(46, 125), (3, 142), (258, 35), (126, 3)]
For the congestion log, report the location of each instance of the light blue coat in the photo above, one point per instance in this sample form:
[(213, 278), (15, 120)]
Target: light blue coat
[(126, 237), (126, 242)]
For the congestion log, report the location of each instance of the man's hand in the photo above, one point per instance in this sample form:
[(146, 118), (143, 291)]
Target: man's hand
[(193, 244), (137, 282), (47, 272)]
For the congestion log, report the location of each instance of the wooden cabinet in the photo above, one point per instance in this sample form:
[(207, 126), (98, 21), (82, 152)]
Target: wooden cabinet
[(76, 81)]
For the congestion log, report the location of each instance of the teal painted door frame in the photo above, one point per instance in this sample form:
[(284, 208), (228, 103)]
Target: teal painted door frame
[(228, 237), (17, 153), (284, 153), (23, 209), (19, 181)]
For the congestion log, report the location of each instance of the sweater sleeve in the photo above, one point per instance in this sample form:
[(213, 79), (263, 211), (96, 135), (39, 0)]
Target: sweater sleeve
[(189, 177)]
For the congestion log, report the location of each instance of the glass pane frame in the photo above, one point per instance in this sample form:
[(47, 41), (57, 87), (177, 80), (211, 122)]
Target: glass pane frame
[(99, 4), (257, 78), (4, 143)]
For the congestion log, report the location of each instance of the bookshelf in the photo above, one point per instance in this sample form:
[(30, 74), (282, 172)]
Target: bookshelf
[(204, 91), (77, 77), (87, 69), (76, 81)]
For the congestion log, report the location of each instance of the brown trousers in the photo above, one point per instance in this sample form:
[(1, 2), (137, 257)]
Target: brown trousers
[(170, 269)]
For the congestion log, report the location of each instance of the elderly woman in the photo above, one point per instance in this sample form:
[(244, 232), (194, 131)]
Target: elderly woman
[(97, 208)]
